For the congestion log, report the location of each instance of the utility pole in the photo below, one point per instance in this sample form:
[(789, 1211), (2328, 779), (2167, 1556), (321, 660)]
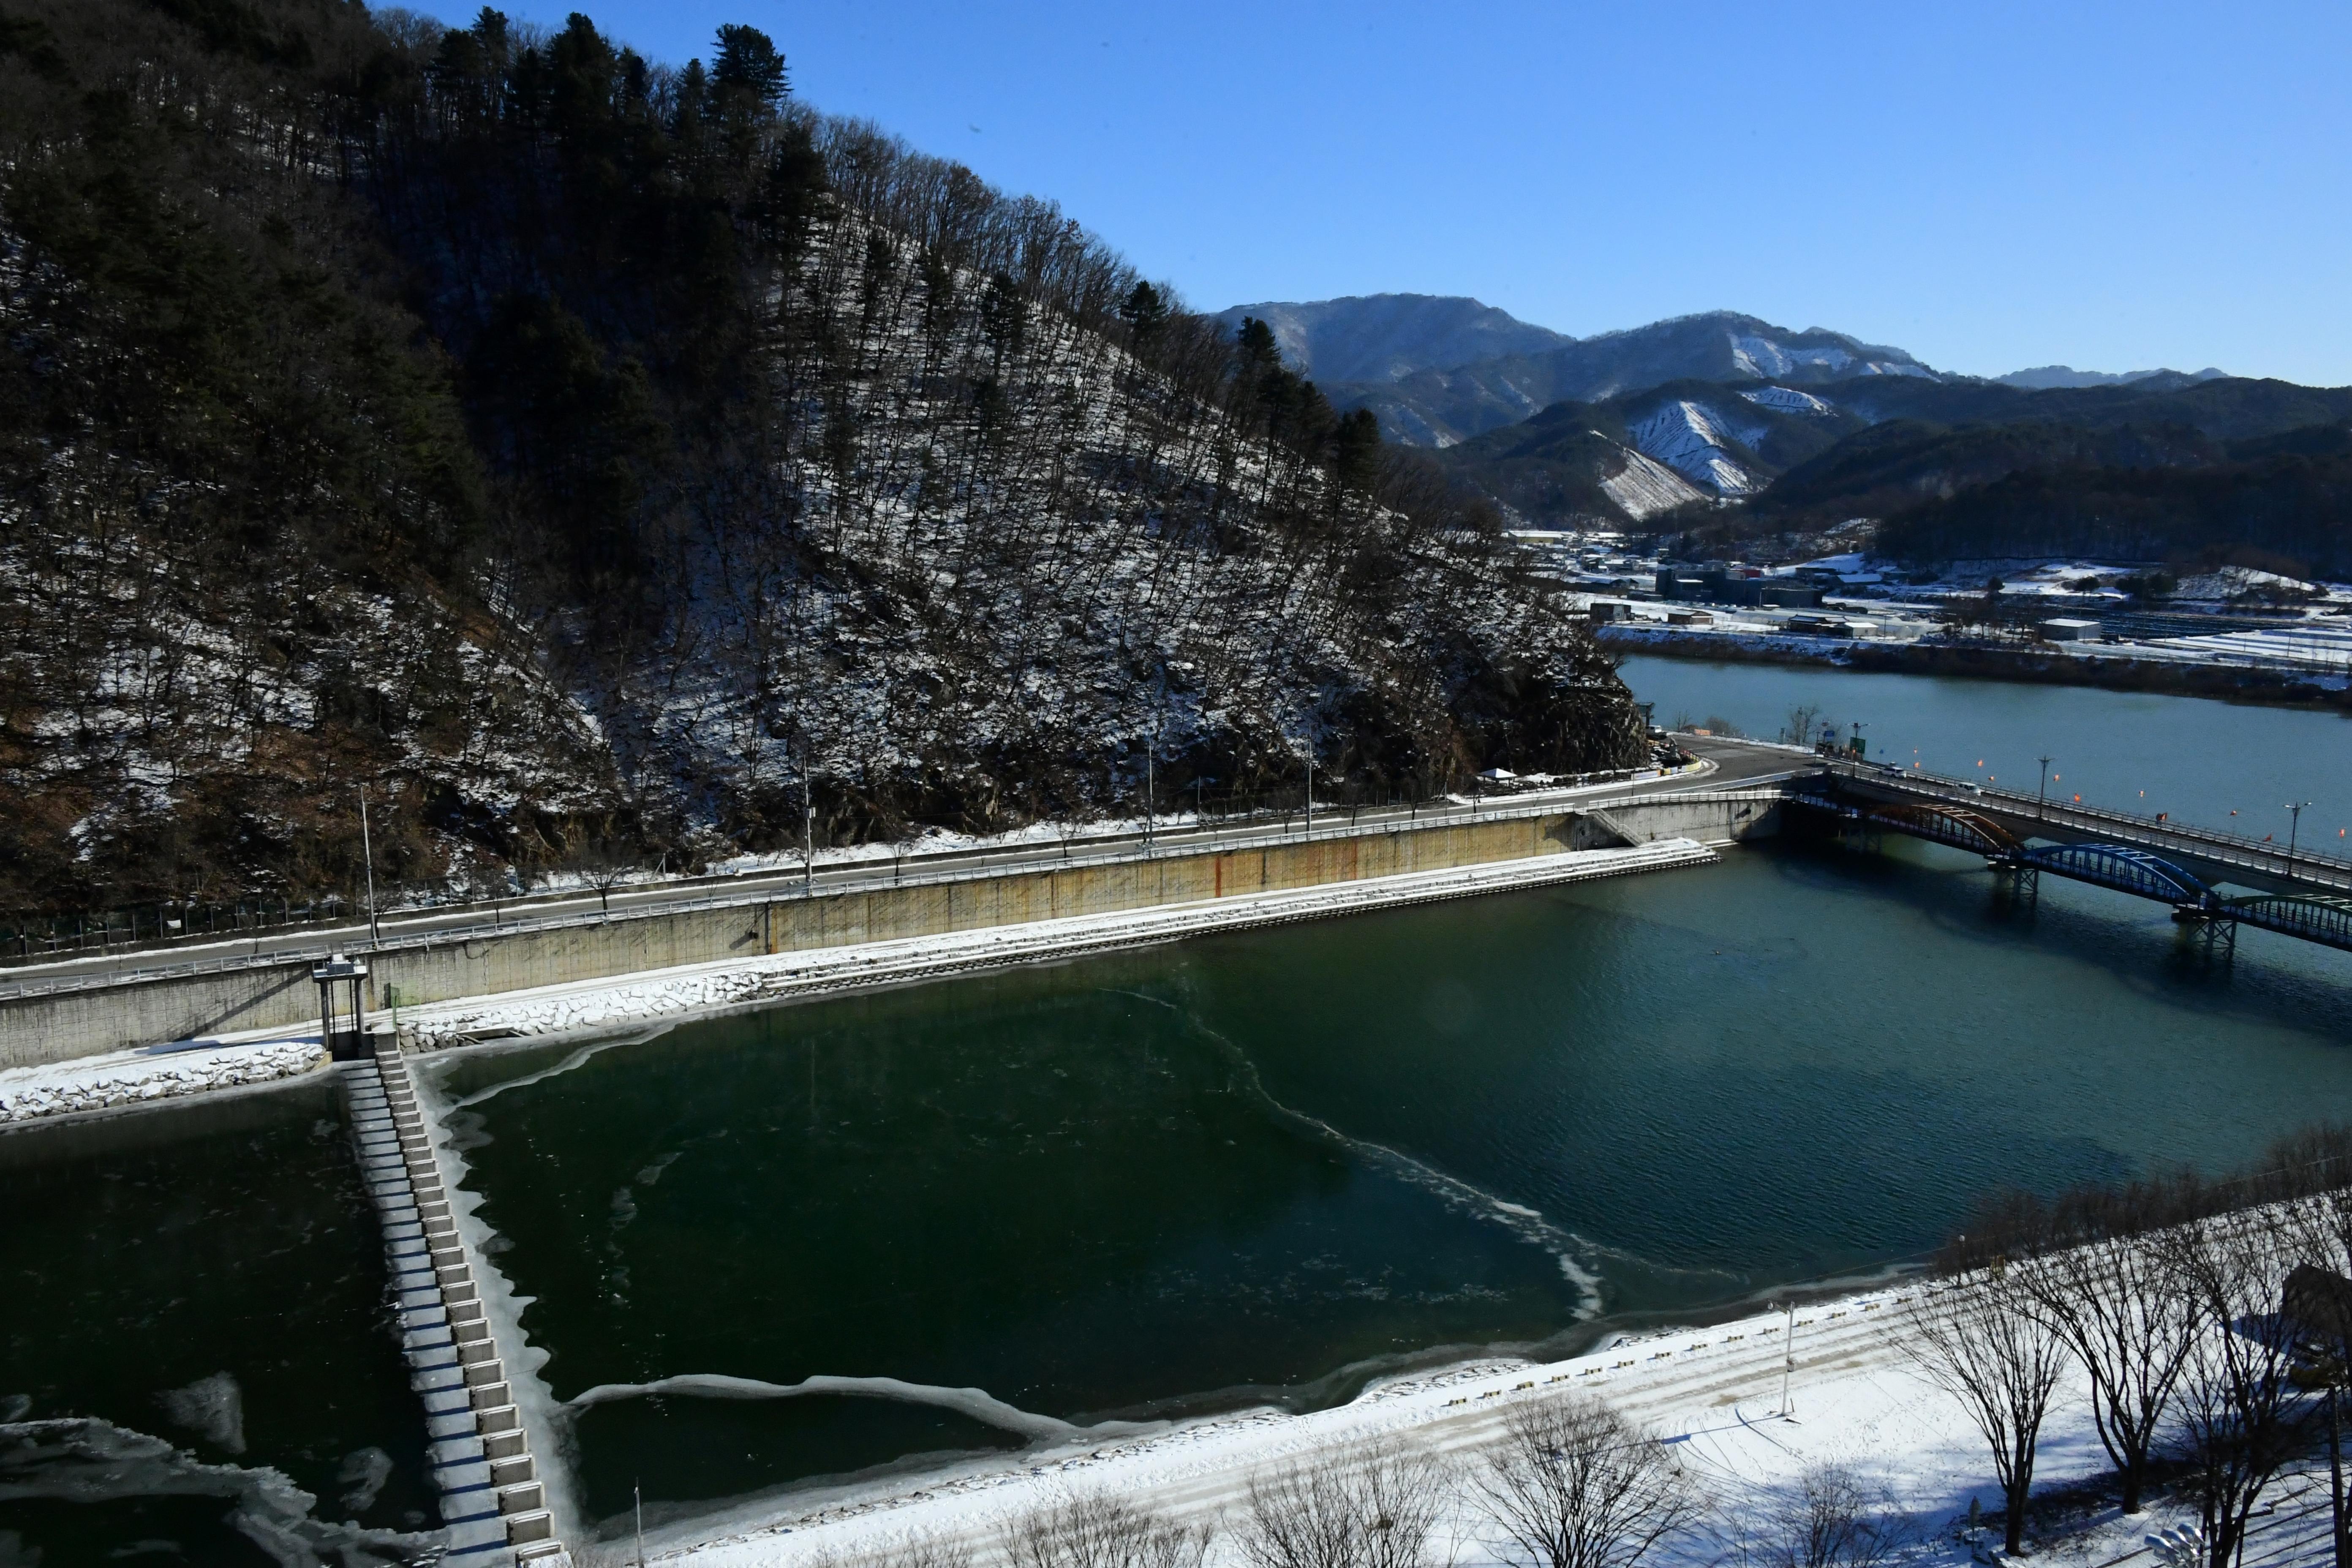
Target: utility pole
[(367, 853), (637, 1491), (2294, 823), (2041, 798), (1310, 795), (1151, 791), (808, 833)]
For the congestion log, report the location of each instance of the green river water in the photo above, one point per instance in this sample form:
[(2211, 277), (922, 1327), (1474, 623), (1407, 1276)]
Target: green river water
[(1259, 1167)]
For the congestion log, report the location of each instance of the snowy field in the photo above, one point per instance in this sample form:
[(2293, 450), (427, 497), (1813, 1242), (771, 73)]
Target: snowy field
[(1713, 1395)]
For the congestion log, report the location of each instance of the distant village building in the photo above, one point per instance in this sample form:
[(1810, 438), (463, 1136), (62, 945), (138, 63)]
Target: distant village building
[(1717, 585), (2066, 628), (1821, 625)]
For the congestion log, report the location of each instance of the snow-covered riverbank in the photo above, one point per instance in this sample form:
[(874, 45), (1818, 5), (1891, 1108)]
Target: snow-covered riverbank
[(1712, 1394), (157, 1073)]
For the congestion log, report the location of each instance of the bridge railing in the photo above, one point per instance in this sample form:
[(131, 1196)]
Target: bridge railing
[(2213, 843), (2325, 920)]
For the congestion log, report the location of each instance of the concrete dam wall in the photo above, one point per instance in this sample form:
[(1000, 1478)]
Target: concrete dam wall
[(61, 1027)]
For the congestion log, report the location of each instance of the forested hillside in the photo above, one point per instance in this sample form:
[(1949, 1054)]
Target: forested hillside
[(590, 457), (2282, 503)]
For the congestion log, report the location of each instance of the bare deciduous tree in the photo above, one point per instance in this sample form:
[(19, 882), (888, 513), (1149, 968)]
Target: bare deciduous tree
[(2110, 1291), (2239, 1411), (1098, 1531), (1380, 1512), (1575, 1485), (602, 863), (912, 1550), (2309, 1175), (1978, 1338), (1831, 1519)]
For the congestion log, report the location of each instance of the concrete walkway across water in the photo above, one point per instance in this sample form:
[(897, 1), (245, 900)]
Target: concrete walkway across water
[(492, 1503)]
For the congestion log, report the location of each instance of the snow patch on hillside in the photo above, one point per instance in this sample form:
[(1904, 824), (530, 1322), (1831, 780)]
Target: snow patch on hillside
[(1762, 357), (1787, 400), (1693, 439), (1643, 487)]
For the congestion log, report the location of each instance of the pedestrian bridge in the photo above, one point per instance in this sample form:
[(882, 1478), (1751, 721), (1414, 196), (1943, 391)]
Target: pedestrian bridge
[(2309, 897)]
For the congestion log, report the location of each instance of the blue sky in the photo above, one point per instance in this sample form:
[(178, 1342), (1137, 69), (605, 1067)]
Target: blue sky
[(2109, 186)]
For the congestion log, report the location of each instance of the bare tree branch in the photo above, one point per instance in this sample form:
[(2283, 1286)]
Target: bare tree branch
[(1380, 1511), (2110, 1291), (1976, 1338), (2239, 1412), (1575, 1485), (1831, 1519), (1098, 1531)]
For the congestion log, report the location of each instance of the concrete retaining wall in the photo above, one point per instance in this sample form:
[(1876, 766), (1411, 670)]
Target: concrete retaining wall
[(40, 1029), (1715, 819)]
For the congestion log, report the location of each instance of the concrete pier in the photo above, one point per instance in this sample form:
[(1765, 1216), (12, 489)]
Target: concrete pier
[(492, 1500)]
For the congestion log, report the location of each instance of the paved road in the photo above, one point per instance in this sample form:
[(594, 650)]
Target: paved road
[(1736, 763)]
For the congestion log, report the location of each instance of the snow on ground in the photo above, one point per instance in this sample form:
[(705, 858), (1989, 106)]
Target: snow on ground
[(2326, 648), (670, 993), (1713, 1393), (1645, 486), (1691, 439), (154, 1073), (1788, 400), (930, 840)]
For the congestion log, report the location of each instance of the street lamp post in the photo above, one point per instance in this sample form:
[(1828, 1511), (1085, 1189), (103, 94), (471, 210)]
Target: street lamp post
[(367, 853), (808, 826), (2293, 823), (2041, 798), (1788, 1412)]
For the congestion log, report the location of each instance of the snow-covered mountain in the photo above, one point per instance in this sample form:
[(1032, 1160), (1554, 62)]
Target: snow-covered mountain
[(1644, 486), (1382, 337), (1698, 441), (1425, 394), (2043, 378), (1628, 458)]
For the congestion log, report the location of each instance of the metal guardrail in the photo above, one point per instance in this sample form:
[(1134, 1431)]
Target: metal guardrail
[(873, 873)]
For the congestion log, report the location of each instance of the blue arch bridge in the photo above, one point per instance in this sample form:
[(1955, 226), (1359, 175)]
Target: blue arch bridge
[(2315, 914)]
